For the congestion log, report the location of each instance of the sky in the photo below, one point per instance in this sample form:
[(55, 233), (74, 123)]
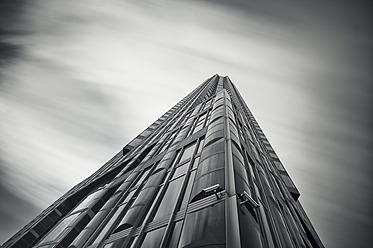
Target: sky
[(80, 79)]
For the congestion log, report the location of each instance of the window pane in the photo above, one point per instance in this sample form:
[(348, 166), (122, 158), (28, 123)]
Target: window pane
[(176, 234), (59, 228), (288, 181), (195, 162), (197, 128), (109, 245), (129, 196), (279, 166), (152, 207), (188, 152), (108, 225), (144, 174), (87, 200), (202, 118), (200, 145), (272, 155), (188, 190), (82, 235), (153, 238), (180, 170), (169, 198)]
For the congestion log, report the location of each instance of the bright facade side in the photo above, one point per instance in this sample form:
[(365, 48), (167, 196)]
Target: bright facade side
[(202, 175)]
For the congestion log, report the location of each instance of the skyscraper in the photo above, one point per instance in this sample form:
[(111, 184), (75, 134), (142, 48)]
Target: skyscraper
[(202, 175)]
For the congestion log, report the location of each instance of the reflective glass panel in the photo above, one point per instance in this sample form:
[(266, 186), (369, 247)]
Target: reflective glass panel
[(180, 170), (108, 225), (188, 190), (175, 234), (129, 196), (272, 155), (109, 245), (195, 162), (288, 181), (87, 200), (188, 152), (279, 165), (59, 228), (153, 238), (143, 176), (169, 198), (197, 128), (200, 146), (81, 236), (152, 207)]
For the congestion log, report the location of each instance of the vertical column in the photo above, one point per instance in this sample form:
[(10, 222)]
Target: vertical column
[(231, 213)]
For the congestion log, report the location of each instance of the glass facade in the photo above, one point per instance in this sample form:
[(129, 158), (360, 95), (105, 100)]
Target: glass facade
[(202, 175)]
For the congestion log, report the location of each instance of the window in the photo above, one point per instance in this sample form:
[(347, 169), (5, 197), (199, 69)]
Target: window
[(288, 181), (180, 170), (188, 152), (143, 176), (195, 163), (248, 134), (167, 143), (272, 155), (108, 225), (200, 146), (211, 218), (176, 234), (264, 223), (153, 238), (82, 237), (200, 123), (269, 148), (85, 203), (279, 166), (253, 149), (208, 117), (129, 196), (60, 228), (207, 104), (169, 198), (188, 189)]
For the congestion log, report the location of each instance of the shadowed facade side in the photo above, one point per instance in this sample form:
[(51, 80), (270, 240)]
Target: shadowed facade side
[(202, 175)]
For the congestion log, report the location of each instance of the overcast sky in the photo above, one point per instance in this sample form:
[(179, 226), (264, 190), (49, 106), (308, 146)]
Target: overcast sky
[(80, 79)]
